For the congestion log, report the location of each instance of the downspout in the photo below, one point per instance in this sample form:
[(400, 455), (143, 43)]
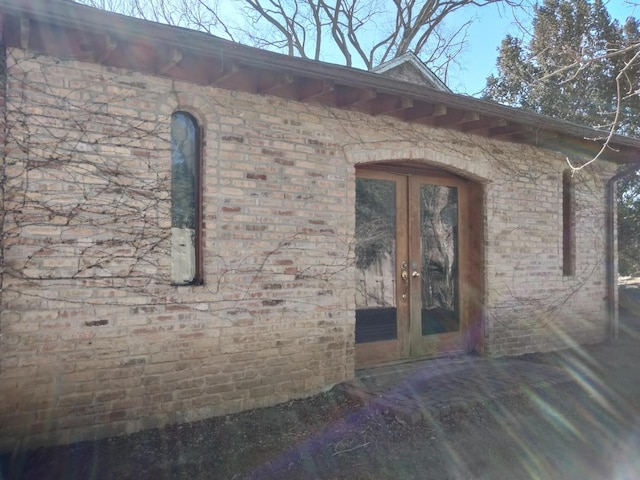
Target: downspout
[(612, 274), (4, 131)]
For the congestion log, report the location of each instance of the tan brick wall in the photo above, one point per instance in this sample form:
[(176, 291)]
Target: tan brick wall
[(524, 262), (95, 341)]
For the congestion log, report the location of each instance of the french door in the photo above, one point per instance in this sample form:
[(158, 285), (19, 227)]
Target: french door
[(410, 259)]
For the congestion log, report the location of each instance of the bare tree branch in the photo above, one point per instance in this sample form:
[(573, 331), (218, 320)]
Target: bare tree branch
[(584, 61), (622, 75), (361, 31)]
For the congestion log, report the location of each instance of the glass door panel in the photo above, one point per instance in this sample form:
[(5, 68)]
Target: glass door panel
[(375, 252), (437, 209), (409, 258), (439, 259)]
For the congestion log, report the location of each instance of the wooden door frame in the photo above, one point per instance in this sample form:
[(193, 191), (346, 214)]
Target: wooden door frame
[(450, 342), (391, 350), (470, 266)]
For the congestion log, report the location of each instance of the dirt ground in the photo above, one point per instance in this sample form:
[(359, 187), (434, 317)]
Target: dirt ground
[(586, 430)]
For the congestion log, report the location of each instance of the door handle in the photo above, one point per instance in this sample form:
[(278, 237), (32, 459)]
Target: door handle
[(405, 278), (415, 274)]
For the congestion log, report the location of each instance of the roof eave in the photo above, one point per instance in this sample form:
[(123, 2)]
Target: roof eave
[(286, 76)]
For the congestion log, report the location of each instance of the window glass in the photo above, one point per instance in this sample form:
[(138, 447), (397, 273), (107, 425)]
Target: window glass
[(184, 198), (568, 225)]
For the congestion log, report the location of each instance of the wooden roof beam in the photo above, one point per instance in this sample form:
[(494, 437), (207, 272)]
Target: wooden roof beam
[(277, 84), (586, 148), (354, 96), (390, 104), (108, 45), (421, 112), (453, 118), (469, 117), (621, 154), (231, 75), (508, 131), (168, 59), (539, 135), (223, 73), (311, 89), (483, 123)]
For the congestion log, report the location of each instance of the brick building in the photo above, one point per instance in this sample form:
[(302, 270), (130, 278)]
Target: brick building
[(193, 227)]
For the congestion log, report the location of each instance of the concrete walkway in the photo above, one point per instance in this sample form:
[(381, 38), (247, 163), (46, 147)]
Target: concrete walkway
[(420, 390)]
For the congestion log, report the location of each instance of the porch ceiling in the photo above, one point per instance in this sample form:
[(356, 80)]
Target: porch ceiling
[(68, 30)]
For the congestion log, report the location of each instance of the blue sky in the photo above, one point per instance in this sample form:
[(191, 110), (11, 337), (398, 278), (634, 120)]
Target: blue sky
[(490, 24), (478, 58)]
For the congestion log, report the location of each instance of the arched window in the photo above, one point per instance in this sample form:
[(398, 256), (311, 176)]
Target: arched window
[(185, 200), (568, 224)]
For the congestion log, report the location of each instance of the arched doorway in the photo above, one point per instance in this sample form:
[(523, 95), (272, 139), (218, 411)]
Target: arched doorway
[(418, 271)]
